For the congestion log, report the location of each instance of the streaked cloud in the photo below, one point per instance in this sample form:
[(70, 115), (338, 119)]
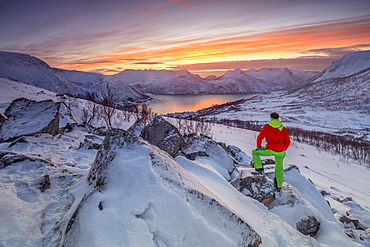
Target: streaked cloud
[(148, 63), (208, 35)]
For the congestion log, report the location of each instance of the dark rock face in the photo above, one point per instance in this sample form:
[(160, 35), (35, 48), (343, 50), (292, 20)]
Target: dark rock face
[(2, 119), (28, 117), (309, 226), (163, 135), (257, 187)]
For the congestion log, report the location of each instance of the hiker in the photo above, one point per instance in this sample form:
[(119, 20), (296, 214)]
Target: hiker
[(277, 142)]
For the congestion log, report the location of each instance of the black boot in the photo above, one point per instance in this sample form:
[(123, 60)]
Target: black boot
[(276, 187), (259, 171)]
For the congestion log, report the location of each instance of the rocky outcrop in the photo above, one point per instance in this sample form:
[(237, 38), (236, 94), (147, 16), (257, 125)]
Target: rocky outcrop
[(309, 226), (163, 135), (262, 188), (238, 155), (130, 169), (28, 117), (195, 146)]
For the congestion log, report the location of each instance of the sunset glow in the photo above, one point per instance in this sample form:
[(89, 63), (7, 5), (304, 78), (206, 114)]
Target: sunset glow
[(207, 37)]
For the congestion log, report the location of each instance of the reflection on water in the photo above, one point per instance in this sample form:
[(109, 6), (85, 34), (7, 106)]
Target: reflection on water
[(181, 103)]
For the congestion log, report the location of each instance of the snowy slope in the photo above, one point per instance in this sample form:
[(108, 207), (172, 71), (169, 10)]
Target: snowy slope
[(67, 161), (11, 90), (30, 217), (349, 64), (25, 206), (276, 76), (31, 70)]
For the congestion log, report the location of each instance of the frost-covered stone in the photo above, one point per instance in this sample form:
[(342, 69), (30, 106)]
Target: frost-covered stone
[(8, 158), (140, 187), (198, 146), (28, 117), (257, 187), (238, 155), (162, 134), (309, 226), (136, 128)]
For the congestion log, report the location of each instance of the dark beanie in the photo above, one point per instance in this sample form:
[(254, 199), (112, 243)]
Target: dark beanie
[(274, 115)]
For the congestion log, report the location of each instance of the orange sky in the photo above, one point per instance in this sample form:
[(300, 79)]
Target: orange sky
[(204, 38)]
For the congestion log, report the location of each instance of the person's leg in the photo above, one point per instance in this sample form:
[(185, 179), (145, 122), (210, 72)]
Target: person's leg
[(279, 169), (256, 153)]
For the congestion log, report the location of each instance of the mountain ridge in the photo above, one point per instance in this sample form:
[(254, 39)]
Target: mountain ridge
[(136, 83)]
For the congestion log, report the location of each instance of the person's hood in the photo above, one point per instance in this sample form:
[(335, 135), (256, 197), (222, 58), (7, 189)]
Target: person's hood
[(275, 123)]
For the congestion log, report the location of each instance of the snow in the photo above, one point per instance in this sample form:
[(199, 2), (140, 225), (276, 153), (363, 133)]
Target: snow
[(115, 225), (29, 217), (349, 64)]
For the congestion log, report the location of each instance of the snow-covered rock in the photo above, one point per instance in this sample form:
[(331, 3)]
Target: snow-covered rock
[(28, 117), (238, 155), (149, 200), (196, 147), (164, 135)]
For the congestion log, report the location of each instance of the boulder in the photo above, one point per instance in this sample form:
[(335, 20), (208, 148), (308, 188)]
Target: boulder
[(238, 155), (162, 134), (309, 226), (28, 117), (195, 146), (258, 187)]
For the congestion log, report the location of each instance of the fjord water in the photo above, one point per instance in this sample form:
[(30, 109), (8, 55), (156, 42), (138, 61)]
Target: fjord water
[(181, 103)]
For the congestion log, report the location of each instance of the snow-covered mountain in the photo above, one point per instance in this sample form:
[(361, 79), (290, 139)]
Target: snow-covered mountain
[(129, 85), (276, 76), (336, 100), (233, 81), (344, 85), (31, 70), (348, 65)]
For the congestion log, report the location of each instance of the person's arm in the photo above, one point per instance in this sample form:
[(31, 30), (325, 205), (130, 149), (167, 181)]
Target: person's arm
[(287, 140), (260, 137)]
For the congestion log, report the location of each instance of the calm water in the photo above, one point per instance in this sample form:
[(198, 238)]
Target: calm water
[(180, 103)]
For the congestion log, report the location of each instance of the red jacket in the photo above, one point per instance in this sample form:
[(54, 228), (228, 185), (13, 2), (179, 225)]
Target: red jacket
[(277, 140)]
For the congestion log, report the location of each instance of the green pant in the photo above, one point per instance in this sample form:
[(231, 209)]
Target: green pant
[(279, 159)]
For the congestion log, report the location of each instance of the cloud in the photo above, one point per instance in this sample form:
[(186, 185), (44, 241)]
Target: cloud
[(184, 3), (148, 63), (340, 51), (149, 9), (107, 71), (315, 63)]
